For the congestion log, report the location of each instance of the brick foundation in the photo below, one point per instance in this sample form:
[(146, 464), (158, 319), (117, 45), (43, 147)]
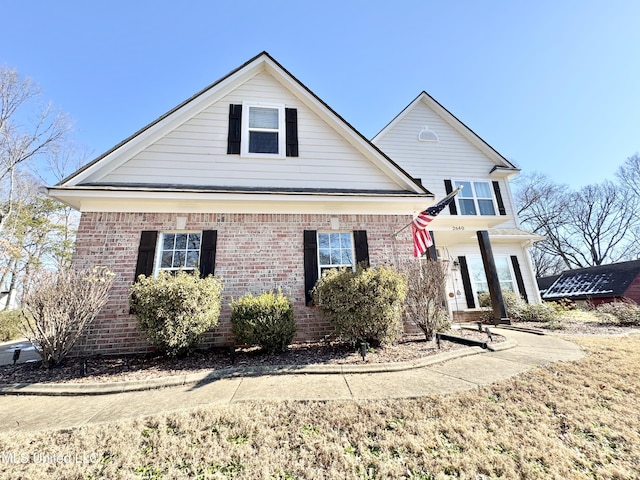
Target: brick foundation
[(255, 252)]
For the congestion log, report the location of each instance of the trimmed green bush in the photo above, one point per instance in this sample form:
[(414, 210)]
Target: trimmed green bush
[(624, 312), (174, 311), (10, 325), (265, 320), (365, 305)]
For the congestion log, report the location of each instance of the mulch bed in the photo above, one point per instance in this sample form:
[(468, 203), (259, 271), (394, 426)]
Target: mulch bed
[(145, 366)]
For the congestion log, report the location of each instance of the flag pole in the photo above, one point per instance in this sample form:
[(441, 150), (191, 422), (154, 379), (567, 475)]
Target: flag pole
[(444, 200)]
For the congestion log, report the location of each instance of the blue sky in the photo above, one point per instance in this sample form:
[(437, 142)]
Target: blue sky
[(552, 85)]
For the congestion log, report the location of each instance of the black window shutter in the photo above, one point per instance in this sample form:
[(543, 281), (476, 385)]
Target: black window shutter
[(208, 252), (235, 129), (146, 253), (291, 120), (432, 253), (466, 282), (453, 210), (310, 263), (519, 280), (362, 247), (496, 190)]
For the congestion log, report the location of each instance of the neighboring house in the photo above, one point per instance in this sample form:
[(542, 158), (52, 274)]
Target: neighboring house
[(257, 180), (434, 146), (596, 285)]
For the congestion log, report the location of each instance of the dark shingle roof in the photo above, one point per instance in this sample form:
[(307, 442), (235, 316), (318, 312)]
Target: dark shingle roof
[(594, 282)]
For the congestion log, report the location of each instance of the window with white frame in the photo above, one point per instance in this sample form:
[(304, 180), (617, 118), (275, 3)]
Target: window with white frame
[(179, 251), (475, 198), (335, 250), (479, 278), (263, 130)]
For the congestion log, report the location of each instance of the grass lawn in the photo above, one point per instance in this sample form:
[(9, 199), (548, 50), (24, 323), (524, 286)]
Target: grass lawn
[(568, 420)]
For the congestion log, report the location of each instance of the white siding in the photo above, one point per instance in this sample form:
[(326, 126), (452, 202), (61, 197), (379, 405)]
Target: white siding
[(195, 153), (453, 157)]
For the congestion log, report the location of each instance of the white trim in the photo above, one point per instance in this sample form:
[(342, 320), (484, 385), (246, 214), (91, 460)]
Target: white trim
[(107, 199), (475, 197), (244, 143), (159, 250), (353, 250)]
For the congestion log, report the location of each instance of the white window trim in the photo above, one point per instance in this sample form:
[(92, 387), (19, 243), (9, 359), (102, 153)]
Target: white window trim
[(353, 251), (244, 142), (158, 260), (514, 282), (475, 198)]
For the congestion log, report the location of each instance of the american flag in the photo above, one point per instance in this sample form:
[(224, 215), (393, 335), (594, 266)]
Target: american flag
[(421, 238)]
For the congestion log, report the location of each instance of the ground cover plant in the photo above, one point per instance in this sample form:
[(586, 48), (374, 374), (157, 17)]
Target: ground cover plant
[(574, 420)]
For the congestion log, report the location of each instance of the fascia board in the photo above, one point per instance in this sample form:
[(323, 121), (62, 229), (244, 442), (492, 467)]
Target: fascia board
[(178, 201)]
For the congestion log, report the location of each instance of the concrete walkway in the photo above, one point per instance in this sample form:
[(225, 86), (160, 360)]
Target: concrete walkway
[(442, 374)]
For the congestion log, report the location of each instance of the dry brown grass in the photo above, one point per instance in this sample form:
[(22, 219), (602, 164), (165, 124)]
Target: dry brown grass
[(568, 420)]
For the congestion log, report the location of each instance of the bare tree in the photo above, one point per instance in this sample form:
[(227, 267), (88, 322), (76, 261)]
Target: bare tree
[(424, 305), (602, 217), (591, 226), (629, 174), (60, 305), (28, 130)]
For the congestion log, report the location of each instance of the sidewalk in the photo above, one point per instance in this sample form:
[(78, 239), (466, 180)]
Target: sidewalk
[(440, 375)]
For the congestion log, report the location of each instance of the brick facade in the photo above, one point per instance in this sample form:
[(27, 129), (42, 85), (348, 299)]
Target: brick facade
[(255, 252)]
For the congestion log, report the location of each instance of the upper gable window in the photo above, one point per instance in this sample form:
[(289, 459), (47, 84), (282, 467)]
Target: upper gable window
[(475, 198), (427, 135), (263, 130)]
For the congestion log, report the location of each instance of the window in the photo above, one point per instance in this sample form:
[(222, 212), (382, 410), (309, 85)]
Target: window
[(479, 278), (263, 127), (427, 135), (475, 198), (335, 250), (179, 251)]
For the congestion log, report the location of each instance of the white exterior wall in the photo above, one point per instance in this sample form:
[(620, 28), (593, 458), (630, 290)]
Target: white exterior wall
[(453, 157), (468, 250), (199, 147)]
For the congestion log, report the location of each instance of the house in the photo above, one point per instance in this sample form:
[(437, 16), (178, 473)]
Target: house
[(258, 181), (596, 285)]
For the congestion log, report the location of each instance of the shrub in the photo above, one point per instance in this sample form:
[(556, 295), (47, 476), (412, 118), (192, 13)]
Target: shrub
[(625, 312), (10, 325), (174, 311), (519, 310), (365, 305), (425, 296), (265, 320), (58, 306)]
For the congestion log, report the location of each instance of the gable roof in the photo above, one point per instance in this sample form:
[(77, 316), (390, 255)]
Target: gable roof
[(86, 176), (502, 165), (594, 282)]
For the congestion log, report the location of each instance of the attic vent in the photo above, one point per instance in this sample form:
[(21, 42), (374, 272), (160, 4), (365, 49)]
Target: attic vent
[(428, 135)]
